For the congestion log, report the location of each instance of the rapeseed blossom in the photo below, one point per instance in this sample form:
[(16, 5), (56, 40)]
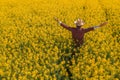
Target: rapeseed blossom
[(33, 46)]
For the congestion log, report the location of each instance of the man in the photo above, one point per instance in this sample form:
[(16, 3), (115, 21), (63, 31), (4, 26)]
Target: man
[(79, 32)]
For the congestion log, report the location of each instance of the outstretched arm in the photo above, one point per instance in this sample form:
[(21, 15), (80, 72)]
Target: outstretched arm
[(95, 27), (63, 25)]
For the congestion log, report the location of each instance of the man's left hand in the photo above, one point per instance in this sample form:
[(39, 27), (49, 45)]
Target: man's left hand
[(103, 24)]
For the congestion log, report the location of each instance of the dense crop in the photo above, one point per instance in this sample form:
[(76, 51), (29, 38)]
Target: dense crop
[(34, 47)]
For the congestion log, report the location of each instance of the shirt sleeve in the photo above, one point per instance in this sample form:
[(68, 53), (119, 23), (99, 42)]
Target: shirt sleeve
[(66, 27), (88, 29)]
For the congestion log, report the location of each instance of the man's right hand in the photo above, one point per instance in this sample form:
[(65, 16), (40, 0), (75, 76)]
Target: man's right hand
[(56, 19)]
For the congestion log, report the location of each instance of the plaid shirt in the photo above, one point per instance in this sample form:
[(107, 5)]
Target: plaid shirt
[(77, 34)]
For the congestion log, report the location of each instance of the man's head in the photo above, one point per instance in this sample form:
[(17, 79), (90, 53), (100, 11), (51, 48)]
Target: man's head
[(79, 23)]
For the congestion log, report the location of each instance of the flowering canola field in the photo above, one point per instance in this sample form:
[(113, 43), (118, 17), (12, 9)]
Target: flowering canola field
[(34, 47)]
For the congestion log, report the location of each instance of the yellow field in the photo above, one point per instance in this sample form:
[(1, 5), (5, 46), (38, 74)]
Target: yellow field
[(34, 47)]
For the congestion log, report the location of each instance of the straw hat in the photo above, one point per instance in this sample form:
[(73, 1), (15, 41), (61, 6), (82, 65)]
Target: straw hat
[(79, 22)]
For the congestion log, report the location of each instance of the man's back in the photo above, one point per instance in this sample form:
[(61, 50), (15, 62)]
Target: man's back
[(77, 33), (78, 36)]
